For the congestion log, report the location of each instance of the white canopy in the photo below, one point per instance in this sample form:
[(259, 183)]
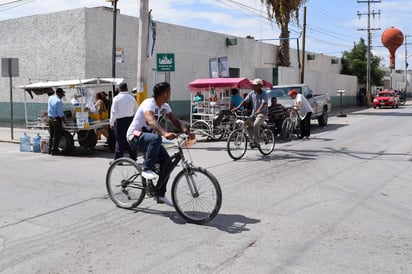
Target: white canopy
[(45, 87)]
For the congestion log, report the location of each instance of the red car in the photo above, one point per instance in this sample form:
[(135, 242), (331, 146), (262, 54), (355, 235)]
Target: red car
[(386, 98)]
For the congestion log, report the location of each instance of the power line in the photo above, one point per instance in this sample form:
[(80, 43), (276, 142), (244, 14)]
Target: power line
[(16, 2), (11, 2)]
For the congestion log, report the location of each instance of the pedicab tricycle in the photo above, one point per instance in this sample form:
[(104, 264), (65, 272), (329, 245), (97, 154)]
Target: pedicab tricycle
[(211, 117)]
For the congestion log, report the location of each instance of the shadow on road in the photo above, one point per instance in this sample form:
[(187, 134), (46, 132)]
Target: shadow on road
[(230, 223)]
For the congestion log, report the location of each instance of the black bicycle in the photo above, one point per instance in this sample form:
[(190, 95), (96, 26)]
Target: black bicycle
[(196, 193)]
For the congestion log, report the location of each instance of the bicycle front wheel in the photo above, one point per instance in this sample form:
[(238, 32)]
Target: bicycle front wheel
[(287, 129), (196, 195), (124, 183), (236, 144), (266, 141)]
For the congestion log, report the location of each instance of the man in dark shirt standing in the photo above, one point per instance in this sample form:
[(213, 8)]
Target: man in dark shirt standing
[(56, 119), (276, 113)]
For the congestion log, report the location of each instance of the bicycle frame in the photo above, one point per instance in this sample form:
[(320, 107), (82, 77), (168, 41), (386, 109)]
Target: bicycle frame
[(175, 159)]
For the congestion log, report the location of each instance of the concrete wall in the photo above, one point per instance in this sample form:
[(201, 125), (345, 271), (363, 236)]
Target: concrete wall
[(99, 40)]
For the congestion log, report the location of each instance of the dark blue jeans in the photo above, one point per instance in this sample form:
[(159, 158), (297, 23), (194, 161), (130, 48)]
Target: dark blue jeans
[(151, 143)]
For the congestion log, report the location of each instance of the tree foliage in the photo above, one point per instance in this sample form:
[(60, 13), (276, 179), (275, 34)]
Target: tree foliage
[(283, 11), (355, 63)]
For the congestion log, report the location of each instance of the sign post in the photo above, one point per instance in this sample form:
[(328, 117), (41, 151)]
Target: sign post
[(165, 62), (341, 92), (10, 68)]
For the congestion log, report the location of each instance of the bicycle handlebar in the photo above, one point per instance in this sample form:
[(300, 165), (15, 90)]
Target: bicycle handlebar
[(183, 140)]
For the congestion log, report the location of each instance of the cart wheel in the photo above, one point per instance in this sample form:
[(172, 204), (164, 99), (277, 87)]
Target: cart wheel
[(87, 138), (202, 129), (66, 143)]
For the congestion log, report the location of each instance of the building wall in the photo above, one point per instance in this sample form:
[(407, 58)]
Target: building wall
[(78, 44), (99, 43)]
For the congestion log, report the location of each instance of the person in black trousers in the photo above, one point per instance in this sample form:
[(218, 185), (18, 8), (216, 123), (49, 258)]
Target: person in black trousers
[(56, 119), (122, 111)]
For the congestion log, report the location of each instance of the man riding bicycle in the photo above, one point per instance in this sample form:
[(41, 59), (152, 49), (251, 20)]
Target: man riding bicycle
[(146, 133), (259, 100)]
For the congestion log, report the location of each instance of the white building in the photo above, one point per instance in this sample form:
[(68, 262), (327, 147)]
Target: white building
[(77, 44)]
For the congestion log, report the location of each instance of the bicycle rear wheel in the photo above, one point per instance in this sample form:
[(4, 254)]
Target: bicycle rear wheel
[(196, 195), (125, 184), (266, 141), (236, 144)]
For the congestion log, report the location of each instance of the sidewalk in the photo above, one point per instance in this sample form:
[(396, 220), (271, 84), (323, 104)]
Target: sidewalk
[(5, 132), (345, 110)]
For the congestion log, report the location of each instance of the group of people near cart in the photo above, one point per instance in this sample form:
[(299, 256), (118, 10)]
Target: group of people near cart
[(255, 106)]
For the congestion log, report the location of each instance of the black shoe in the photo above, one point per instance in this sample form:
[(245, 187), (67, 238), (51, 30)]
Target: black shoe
[(164, 200)]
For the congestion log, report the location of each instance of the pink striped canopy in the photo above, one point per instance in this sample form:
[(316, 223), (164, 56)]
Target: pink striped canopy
[(219, 84)]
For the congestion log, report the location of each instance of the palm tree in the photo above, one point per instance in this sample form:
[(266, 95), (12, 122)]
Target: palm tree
[(283, 11)]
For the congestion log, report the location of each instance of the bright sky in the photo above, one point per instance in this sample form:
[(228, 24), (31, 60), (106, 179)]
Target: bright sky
[(332, 25)]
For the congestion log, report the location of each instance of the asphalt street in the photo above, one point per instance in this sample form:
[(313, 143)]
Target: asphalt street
[(338, 203)]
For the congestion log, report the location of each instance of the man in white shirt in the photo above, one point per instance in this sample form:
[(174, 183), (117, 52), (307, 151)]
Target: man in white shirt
[(146, 133), (305, 112), (123, 108)]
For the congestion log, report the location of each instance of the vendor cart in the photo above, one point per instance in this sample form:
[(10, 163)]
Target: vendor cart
[(81, 120), (214, 120)]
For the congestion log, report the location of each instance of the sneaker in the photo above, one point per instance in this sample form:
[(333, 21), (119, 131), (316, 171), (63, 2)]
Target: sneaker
[(148, 174), (164, 200)]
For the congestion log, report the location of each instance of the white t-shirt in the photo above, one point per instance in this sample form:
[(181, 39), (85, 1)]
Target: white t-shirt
[(304, 107), (139, 121)]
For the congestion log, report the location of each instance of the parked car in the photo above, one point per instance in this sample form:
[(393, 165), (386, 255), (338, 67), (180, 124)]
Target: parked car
[(321, 103), (386, 98)]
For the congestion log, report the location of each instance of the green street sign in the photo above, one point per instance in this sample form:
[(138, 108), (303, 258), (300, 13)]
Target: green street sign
[(165, 62)]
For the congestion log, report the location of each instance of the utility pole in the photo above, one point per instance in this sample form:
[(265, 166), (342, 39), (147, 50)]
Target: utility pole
[(405, 80), (114, 4), (302, 72), (368, 68), (142, 51)]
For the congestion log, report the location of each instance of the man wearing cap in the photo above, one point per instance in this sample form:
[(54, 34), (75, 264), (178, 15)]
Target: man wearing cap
[(305, 113), (56, 119), (123, 109), (259, 100)]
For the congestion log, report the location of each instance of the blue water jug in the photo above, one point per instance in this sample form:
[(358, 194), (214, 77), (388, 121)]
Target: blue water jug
[(25, 143), (36, 143)]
